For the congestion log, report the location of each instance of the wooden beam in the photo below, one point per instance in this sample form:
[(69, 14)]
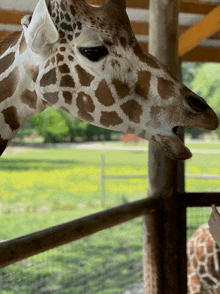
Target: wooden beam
[(184, 29), (205, 28), (186, 6), (11, 16), (203, 54), (4, 34), (23, 247), (199, 54), (199, 199), (196, 6)]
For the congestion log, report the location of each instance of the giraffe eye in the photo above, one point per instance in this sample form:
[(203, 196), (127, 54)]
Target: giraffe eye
[(94, 53)]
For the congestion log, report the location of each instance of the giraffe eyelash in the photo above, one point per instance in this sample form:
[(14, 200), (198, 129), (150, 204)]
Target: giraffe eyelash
[(94, 54)]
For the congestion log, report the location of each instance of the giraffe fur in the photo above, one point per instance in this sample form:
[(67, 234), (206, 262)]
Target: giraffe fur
[(87, 61), (203, 270)]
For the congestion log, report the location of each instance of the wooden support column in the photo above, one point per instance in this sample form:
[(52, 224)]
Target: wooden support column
[(164, 233)]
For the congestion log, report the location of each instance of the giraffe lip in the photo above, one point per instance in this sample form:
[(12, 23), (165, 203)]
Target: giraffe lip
[(173, 146)]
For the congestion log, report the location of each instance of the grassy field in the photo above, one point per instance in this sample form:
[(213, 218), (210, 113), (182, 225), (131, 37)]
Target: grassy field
[(42, 188)]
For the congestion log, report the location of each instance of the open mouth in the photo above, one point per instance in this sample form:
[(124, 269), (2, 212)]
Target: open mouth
[(173, 146), (175, 130)]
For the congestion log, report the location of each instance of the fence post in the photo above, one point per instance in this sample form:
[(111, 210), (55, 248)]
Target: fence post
[(102, 175), (163, 249)]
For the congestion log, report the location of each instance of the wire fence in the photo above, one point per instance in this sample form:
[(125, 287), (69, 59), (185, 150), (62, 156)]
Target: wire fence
[(108, 262)]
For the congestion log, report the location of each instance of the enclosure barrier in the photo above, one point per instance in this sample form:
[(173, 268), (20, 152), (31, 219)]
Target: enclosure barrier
[(104, 176), (16, 249)]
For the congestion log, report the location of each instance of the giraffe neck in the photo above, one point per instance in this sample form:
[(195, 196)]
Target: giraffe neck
[(18, 98)]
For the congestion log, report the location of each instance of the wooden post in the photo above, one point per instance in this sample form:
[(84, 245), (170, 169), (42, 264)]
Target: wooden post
[(164, 233)]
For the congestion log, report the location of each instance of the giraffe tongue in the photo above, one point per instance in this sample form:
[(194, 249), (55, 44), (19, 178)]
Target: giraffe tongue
[(173, 146)]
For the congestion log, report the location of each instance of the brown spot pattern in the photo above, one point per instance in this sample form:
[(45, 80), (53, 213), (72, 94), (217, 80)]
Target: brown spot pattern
[(6, 62), (143, 84), (85, 102), (68, 97), (104, 95), (23, 45), (51, 97), (33, 72), (65, 109), (201, 269), (60, 58), (73, 11), (30, 98), (165, 88), (10, 41), (142, 134), (133, 110), (209, 281), (67, 81), (11, 118), (71, 58), (8, 85), (3, 145), (49, 78), (70, 37), (155, 111), (122, 89), (200, 253), (145, 57), (123, 41), (66, 27), (85, 116), (109, 119), (64, 68), (79, 25), (130, 130), (85, 78)]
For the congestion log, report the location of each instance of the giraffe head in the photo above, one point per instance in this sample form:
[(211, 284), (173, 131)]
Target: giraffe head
[(92, 66)]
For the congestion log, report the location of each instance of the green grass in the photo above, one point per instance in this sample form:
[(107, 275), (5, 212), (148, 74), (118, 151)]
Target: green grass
[(68, 179), (42, 188), (96, 264)]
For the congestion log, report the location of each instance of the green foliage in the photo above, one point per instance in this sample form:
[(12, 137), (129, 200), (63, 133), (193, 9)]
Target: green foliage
[(50, 125), (207, 84), (204, 79), (76, 127), (189, 70), (56, 125)]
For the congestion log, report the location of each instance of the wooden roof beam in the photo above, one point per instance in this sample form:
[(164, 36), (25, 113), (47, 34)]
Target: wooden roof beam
[(204, 29)]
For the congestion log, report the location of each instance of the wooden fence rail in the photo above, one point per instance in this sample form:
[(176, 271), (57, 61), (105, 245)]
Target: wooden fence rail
[(16, 249)]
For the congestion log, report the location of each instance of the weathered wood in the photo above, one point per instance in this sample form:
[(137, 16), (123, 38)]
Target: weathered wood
[(199, 199), (169, 225), (202, 30), (198, 54), (22, 247), (186, 6), (203, 54)]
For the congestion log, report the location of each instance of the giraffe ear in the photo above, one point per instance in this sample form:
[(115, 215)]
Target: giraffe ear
[(41, 34)]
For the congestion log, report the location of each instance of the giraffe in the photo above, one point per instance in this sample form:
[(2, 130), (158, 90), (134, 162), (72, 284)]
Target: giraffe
[(203, 269), (86, 60)]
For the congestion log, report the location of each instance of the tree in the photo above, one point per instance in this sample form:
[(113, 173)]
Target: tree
[(50, 125), (204, 79)]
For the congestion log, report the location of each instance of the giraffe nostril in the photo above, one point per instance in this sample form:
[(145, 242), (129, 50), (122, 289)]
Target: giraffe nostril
[(197, 104)]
